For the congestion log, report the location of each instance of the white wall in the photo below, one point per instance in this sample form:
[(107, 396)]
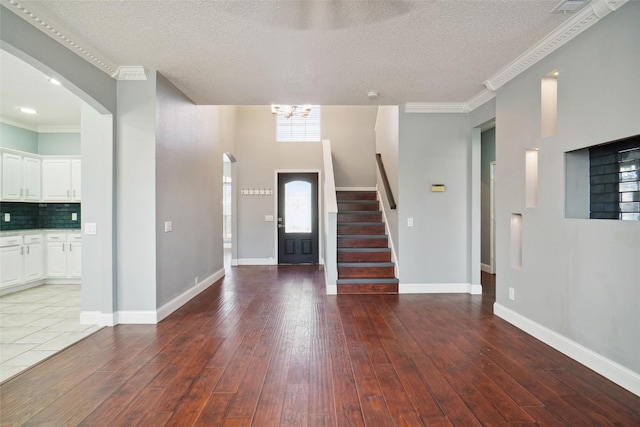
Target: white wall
[(434, 149), (386, 131), (580, 278)]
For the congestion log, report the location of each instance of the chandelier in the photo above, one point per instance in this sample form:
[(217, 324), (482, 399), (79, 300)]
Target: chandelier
[(288, 111)]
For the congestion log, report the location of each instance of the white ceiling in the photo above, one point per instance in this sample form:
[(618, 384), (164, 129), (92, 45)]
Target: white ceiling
[(21, 85), (244, 52)]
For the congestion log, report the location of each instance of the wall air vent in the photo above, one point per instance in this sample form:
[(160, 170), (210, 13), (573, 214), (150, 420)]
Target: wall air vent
[(569, 6)]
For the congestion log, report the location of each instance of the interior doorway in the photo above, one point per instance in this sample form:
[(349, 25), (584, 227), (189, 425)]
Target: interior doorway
[(487, 199), (228, 208)]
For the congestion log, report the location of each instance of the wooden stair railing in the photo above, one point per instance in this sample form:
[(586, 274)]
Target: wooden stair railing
[(385, 181)]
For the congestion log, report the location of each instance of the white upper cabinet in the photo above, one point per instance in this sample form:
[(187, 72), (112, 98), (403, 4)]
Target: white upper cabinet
[(11, 176), (61, 180), (32, 179), (20, 177)]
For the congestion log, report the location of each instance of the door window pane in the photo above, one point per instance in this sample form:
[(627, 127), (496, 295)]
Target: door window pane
[(297, 207)]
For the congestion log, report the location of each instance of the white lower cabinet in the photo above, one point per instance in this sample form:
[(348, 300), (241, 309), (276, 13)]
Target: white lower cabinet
[(64, 255), (33, 253), (11, 263), (36, 257)]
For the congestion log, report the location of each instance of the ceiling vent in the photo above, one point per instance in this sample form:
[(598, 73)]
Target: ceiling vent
[(569, 6)]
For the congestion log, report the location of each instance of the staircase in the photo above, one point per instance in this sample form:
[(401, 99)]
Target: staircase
[(364, 257)]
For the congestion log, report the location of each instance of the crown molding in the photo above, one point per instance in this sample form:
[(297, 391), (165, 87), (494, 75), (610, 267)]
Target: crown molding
[(433, 107), (583, 19), (38, 19), (17, 124), (58, 129), (130, 72), (481, 98)]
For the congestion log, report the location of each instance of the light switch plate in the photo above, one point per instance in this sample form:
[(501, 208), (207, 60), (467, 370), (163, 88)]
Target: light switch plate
[(409, 222), (268, 218), (74, 216), (90, 228), (168, 226), (7, 217)]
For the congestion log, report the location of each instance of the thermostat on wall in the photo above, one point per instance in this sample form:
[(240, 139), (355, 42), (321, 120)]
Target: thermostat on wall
[(437, 188)]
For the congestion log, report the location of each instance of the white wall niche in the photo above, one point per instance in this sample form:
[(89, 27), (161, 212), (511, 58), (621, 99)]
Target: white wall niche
[(531, 178), (549, 103), (516, 240)]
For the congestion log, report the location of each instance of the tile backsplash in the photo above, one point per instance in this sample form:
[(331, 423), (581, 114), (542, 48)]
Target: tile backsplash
[(25, 216)]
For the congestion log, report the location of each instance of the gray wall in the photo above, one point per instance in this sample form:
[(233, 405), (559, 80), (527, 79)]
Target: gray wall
[(18, 138), (188, 191), (579, 277), (350, 130), (259, 155), (434, 149), (98, 90), (98, 266), (387, 145), (136, 193), (487, 155), (66, 144), (352, 135)]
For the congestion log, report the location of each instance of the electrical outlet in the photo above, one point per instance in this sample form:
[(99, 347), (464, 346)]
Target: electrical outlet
[(168, 226), (7, 217), (74, 216), (512, 294), (409, 222), (197, 280)]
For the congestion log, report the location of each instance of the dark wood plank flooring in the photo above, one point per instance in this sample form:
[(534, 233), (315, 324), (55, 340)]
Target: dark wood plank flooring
[(266, 347)]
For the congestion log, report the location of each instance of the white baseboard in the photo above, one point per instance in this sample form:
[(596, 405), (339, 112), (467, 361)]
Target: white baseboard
[(257, 261), (439, 288), (609, 369), (486, 268), (332, 289), (97, 318), (234, 262), (183, 298), (355, 188), (136, 317), (149, 317)]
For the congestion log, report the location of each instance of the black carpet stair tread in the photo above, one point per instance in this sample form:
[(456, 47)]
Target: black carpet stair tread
[(365, 223)]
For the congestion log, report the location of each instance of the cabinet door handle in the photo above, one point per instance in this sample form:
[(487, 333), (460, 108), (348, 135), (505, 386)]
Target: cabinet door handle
[(21, 192), (70, 247), (27, 191), (63, 247), (21, 250), (74, 194), (28, 251), (68, 195)]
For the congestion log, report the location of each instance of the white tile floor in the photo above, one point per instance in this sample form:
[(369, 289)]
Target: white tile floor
[(36, 323)]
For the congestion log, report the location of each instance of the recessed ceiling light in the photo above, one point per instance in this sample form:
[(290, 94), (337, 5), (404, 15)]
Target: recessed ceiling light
[(28, 110), (54, 81), (569, 6)]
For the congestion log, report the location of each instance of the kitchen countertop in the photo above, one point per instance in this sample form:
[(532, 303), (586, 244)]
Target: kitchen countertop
[(11, 233)]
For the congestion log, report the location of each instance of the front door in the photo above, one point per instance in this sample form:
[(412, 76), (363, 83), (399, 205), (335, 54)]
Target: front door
[(298, 218)]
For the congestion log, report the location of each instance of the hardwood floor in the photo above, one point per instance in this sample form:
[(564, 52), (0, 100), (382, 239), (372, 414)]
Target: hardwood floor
[(266, 347)]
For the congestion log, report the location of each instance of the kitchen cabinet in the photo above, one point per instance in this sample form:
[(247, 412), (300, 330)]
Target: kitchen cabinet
[(20, 177), (33, 253), (61, 180), (64, 255), (11, 266)]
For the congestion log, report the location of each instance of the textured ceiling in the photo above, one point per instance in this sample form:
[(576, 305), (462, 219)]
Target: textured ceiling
[(320, 52)]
